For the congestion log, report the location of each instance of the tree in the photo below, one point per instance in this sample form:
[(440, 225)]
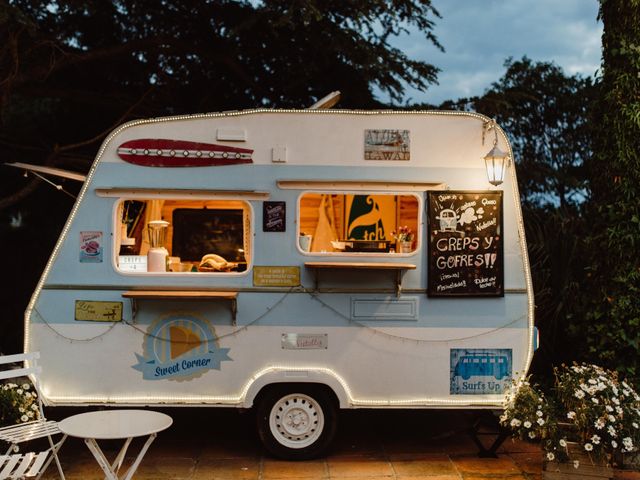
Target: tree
[(545, 114), (611, 315), (71, 71)]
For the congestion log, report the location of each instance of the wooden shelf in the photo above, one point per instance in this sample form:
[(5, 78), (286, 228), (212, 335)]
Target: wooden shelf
[(184, 295), (399, 268)]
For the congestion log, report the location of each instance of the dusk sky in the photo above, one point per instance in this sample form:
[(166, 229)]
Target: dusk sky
[(478, 35)]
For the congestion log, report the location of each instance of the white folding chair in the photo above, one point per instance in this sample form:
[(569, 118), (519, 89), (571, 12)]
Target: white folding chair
[(26, 465)]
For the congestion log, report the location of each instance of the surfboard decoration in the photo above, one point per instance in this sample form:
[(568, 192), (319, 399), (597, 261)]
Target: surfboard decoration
[(158, 152)]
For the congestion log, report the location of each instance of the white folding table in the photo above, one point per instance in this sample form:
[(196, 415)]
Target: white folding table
[(115, 425)]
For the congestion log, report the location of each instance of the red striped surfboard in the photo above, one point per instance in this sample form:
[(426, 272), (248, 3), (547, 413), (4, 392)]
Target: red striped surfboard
[(158, 152)]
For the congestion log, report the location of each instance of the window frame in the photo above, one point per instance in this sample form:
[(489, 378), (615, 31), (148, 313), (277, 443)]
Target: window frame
[(181, 196), (420, 220)]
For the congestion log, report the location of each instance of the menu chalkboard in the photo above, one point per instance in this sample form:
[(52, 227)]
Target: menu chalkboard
[(465, 244)]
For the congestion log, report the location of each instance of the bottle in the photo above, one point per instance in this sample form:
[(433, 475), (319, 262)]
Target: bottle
[(128, 246)]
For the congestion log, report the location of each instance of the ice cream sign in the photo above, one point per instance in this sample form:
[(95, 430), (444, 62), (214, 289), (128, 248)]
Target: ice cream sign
[(465, 244), (180, 347)]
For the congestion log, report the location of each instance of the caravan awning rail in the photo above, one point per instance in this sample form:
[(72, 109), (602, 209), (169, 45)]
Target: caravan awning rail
[(360, 185), (152, 193)]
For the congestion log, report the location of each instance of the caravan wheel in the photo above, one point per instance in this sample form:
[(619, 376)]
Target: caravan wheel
[(296, 422)]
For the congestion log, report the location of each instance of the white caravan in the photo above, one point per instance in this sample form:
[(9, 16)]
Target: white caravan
[(295, 261)]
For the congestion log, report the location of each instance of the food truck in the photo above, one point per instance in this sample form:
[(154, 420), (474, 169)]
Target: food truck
[(292, 261)]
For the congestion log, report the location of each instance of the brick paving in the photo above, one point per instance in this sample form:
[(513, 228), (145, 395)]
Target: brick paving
[(216, 444)]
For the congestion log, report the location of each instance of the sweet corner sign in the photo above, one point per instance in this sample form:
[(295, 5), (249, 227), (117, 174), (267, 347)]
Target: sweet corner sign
[(465, 243)]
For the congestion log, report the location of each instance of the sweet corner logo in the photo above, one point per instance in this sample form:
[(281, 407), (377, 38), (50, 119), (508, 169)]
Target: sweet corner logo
[(180, 347), (480, 371)]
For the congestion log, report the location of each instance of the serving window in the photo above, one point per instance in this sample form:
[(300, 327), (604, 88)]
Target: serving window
[(183, 236), (358, 223)]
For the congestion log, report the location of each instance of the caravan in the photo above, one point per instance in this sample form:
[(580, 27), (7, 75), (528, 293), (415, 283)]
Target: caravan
[(293, 261)]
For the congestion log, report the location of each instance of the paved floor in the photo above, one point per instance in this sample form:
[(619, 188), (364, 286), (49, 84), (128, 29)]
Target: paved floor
[(402, 445)]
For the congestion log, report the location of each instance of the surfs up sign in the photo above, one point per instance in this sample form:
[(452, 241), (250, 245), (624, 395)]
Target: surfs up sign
[(465, 244)]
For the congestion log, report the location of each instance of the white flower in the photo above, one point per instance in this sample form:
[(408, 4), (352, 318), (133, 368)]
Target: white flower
[(30, 414), (596, 440), (584, 387), (612, 431), (24, 418), (619, 410), (563, 443), (615, 400), (599, 424), (592, 381), (515, 422), (527, 424), (595, 400), (576, 463), (539, 413), (609, 408), (25, 386), (615, 390), (628, 443), (579, 394), (34, 407), (614, 444), (571, 415), (588, 447), (635, 425), (21, 410), (626, 393), (550, 456), (16, 449), (19, 391), (540, 421), (612, 419), (532, 434)]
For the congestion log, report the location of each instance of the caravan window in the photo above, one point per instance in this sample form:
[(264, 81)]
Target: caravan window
[(359, 223), (199, 236)]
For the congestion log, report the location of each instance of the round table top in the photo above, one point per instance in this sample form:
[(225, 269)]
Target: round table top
[(114, 424)]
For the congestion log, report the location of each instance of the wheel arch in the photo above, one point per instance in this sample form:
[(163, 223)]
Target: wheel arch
[(319, 376)]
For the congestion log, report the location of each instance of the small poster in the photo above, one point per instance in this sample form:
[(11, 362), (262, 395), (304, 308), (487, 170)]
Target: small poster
[(91, 247), (389, 145), (273, 216), (480, 371), (466, 257)]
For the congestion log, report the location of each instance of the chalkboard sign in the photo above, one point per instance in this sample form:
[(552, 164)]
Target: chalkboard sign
[(465, 244), (273, 216)]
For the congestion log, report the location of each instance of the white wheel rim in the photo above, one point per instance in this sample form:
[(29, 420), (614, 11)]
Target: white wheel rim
[(296, 420)]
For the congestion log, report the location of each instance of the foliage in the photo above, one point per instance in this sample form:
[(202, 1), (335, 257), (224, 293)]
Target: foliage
[(611, 326), (18, 404), (545, 114), (589, 405)]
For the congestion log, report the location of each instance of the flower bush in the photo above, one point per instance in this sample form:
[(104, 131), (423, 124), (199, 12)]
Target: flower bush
[(18, 404), (589, 406), (404, 234)]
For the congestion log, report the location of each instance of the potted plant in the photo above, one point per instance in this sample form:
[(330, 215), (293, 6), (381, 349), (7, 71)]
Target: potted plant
[(589, 419), (404, 239), (17, 404)]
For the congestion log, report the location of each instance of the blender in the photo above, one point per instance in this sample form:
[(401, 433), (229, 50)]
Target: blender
[(157, 255)]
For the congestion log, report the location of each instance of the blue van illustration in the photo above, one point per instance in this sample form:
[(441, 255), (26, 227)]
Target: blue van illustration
[(483, 365)]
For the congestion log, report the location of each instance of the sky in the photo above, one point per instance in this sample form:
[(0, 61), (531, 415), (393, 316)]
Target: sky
[(479, 35)]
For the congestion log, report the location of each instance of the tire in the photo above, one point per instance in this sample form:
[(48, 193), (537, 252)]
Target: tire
[(296, 422)]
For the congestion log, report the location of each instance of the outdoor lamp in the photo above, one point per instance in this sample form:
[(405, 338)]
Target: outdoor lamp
[(495, 161)]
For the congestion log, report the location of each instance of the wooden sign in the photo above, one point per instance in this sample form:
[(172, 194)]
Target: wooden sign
[(466, 255), (98, 311), (272, 276)]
